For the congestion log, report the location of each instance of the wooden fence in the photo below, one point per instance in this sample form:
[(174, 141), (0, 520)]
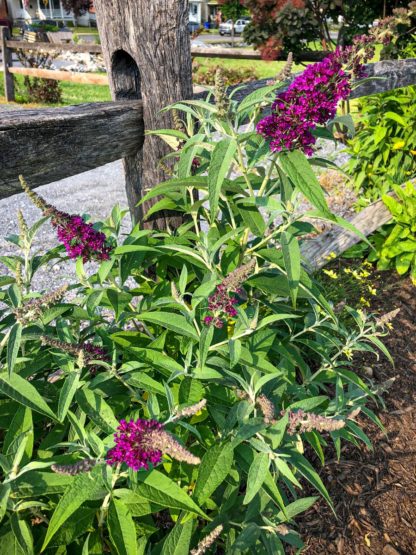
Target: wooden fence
[(9, 46)]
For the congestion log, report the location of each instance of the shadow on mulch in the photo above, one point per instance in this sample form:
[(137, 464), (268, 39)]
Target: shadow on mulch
[(374, 492)]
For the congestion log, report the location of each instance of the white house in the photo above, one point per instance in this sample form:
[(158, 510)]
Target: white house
[(21, 10), (201, 11)]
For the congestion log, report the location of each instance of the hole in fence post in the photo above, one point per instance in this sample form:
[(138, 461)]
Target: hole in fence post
[(126, 76), (126, 85)]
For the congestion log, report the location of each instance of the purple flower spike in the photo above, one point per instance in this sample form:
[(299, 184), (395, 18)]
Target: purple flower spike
[(311, 99), (142, 442), (80, 238), (131, 445)]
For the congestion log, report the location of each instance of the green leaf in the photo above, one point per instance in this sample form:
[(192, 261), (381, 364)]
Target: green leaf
[(197, 182), (80, 522), (395, 117), (188, 154), (178, 540), (5, 490), (275, 318), (33, 484), (121, 528), (277, 431), (256, 97), (144, 381), (9, 544), (256, 475), (252, 219), (297, 168), (98, 410), (299, 506), (23, 534), (171, 321), (291, 257), (308, 472), (309, 403), (25, 393), (160, 489), (136, 503), (205, 341), (67, 394), (246, 539), (285, 471), (221, 162), (13, 346), (376, 341), (21, 425), (83, 488), (214, 468)]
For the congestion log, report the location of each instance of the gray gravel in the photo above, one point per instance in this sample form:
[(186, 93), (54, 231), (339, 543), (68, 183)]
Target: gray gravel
[(94, 192)]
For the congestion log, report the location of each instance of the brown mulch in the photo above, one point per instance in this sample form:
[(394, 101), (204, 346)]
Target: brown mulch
[(374, 492)]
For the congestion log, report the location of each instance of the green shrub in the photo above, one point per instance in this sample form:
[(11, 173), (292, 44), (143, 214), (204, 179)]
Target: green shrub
[(231, 75), (383, 150), (210, 347), (395, 244)]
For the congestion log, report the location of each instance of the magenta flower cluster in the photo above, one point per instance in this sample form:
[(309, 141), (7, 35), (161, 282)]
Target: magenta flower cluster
[(80, 238), (133, 446), (222, 306), (311, 99)]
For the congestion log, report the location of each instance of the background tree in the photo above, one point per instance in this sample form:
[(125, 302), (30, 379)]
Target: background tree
[(292, 25), (79, 7), (232, 9)]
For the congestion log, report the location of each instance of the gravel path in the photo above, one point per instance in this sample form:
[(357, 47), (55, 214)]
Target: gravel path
[(94, 192)]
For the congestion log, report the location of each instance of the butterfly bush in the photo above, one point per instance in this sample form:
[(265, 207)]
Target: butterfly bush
[(79, 238), (189, 408), (313, 97)]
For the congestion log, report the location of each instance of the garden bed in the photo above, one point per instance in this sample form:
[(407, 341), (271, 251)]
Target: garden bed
[(374, 493)]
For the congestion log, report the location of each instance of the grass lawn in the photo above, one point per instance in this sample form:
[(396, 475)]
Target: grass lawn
[(73, 93), (260, 68)]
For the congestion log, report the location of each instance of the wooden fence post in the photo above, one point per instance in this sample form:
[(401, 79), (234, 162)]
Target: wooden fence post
[(147, 52), (7, 62)]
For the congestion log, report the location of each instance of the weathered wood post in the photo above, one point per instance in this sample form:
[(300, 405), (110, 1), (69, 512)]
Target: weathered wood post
[(7, 62), (147, 52)]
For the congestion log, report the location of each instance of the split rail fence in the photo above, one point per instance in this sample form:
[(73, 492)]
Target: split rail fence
[(90, 135), (9, 70)]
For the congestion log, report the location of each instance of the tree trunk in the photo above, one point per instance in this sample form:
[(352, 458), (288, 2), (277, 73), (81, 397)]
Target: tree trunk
[(147, 52)]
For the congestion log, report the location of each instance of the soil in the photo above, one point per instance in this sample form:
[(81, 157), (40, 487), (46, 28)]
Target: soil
[(374, 492)]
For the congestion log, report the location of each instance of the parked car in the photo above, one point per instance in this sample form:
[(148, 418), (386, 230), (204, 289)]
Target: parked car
[(226, 28)]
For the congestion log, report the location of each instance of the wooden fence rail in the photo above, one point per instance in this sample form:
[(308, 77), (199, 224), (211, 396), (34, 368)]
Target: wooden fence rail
[(50, 144), (61, 75), (316, 251)]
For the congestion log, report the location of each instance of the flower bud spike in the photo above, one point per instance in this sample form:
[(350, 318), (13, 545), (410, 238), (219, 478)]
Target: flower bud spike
[(73, 469), (208, 541), (220, 94)]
